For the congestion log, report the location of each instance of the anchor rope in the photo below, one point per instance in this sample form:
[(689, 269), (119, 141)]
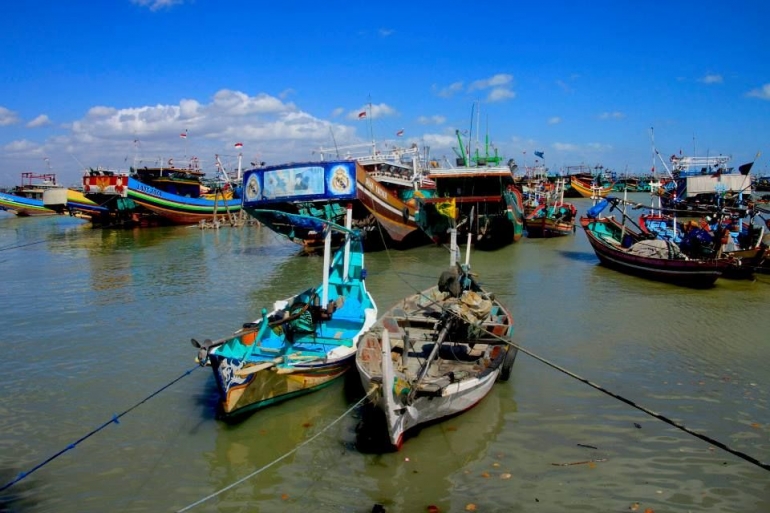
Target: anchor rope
[(114, 419), (280, 458), (639, 407)]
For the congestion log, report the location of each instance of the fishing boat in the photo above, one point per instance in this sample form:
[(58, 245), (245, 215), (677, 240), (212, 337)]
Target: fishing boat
[(589, 186), (435, 353), (729, 237), (621, 248), (478, 197), (381, 189), (160, 193), (304, 342), (71, 201), (26, 200), (709, 233), (553, 217), (698, 182)]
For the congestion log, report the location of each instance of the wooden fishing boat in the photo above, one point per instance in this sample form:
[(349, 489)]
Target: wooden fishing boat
[(623, 249), (435, 353), (476, 197), (160, 194), (697, 182), (381, 187), (589, 187), (712, 237), (26, 200), (553, 218), (304, 342)]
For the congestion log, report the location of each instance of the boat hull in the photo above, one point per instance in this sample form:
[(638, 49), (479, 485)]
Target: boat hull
[(24, 207), (265, 388), (687, 272), (401, 419), (551, 221), (396, 217), (587, 191)]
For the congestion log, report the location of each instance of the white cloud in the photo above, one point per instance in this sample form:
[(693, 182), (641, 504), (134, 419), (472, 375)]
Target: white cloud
[(385, 32), (587, 151), (41, 120), (500, 93), (555, 120), (448, 91), (339, 111), (499, 80), (763, 93), (8, 117), (559, 146), (156, 5), (612, 115), (20, 146), (431, 120), (270, 130), (712, 79)]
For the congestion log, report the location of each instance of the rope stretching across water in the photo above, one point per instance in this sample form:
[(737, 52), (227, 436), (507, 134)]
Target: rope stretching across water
[(280, 458), (114, 419)]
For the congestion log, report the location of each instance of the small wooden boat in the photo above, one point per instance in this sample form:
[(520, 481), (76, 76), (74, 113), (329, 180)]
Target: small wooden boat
[(435, 353), (552, 219), (590, 188), (623, 249), (305, 342)]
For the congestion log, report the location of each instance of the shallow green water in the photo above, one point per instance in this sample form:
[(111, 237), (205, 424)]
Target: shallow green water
[(96, 321)]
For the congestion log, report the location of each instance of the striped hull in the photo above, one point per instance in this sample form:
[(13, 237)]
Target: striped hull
[(24, 207), (240, 395), (179, 209), (395, 216)]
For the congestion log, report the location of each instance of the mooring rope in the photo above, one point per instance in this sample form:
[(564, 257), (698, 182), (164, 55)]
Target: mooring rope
[(114, 419), (639, 407), (280, 458)]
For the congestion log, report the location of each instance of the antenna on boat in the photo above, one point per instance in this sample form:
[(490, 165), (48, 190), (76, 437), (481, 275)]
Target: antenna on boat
[(334, 140)]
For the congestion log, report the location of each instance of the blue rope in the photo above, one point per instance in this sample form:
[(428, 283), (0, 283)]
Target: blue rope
[(115, 419)]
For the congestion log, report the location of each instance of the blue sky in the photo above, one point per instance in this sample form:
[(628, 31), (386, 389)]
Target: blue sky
[(582, 82)]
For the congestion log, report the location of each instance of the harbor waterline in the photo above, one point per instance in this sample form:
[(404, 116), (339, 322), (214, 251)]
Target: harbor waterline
[(96, 321)]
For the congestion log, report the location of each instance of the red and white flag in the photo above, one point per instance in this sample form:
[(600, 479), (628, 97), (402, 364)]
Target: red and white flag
[(183, 135), (238, 146), (362, 115), (400, 133)]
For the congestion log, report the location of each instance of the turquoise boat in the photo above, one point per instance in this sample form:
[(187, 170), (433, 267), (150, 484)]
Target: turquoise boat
[(304, 342)]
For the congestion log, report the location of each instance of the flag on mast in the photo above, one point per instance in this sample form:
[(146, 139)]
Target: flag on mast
[(400, 133), (362, 114), (183, 135), (238, 145)]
